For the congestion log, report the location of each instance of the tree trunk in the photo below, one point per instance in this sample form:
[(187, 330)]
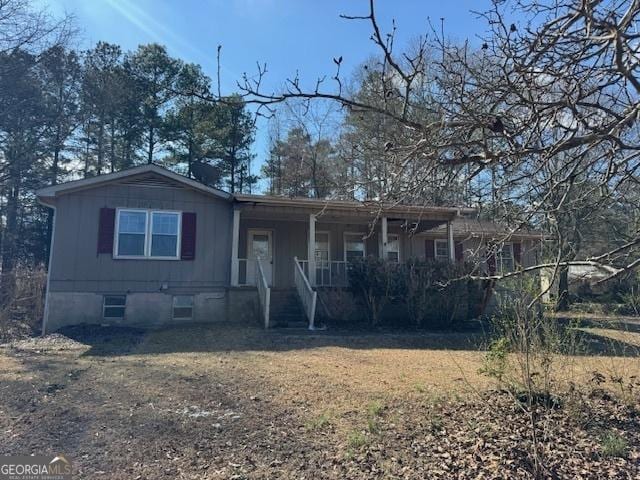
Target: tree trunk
[(190, 158), (54, 180), (100, 149), (112, 146), (562, 303), (10, 237), (151, 145)]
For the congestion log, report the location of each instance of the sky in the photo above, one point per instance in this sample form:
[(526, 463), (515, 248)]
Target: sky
[(287, 35)]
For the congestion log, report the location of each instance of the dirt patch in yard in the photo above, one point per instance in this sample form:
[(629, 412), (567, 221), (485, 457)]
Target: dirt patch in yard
[(228, 402)]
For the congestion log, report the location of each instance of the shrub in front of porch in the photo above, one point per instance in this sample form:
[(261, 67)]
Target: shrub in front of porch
[(377, 283), (437, 293), (425, 294)]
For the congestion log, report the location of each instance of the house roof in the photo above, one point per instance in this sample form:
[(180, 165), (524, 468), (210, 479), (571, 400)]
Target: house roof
[(350, 205), (46, 195), (463, 225), (474, 227)]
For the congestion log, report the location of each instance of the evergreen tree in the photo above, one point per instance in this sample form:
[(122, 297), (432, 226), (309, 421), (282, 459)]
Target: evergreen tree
[(234, 138), (155, 73)]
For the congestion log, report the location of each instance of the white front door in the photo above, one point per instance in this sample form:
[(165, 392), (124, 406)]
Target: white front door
[(260, 246)]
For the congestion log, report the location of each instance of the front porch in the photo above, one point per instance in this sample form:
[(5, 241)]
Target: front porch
[(305, 244), (325, 240)]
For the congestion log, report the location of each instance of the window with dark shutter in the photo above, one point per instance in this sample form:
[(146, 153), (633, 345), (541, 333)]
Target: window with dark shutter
[(188, 244), (517, 252), (459, 252), (429, 249), (491, 259), (106, 229)]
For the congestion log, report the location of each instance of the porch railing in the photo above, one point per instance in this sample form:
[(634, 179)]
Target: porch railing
[(247, 271), (264, 292), (307, 294), (328, 273)]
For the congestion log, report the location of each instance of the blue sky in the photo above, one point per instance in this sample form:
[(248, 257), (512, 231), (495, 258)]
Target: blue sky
[(288, 35)]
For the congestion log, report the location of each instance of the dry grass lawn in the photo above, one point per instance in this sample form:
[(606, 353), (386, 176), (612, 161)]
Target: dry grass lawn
[(230, 402)]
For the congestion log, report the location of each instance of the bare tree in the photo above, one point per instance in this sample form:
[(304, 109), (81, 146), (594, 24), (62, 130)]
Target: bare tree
[(25, 27), (548, 101)]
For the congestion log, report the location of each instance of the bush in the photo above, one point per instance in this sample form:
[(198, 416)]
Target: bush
[(378, 282), (631, 299), (339, 306), (23, 302), (436, 294), (534, 340)]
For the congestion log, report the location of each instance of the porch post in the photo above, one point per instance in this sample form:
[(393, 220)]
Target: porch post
[(385, 239), (311, 253), (452, 247), (234, 247)]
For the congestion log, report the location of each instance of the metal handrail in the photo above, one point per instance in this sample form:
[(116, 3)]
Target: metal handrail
[(264, 292)]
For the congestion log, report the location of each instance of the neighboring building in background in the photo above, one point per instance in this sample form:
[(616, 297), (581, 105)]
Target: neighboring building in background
[(147, 246)]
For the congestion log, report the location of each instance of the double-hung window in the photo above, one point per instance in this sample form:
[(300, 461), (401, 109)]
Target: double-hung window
[(147, 234), (505, 258), (132, 232), (442, 250), (393, 248), (353, 246)]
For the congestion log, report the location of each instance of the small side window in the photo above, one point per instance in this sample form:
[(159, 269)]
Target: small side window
[(113, 306), (183, 307)]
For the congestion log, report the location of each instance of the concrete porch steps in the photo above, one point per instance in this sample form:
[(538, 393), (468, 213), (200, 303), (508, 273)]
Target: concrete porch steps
[(286, 309)]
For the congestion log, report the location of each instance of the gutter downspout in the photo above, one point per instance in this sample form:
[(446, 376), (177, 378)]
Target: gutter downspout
[(45, 316)]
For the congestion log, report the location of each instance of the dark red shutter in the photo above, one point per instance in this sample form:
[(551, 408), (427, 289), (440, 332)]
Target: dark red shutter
[(517, 253), (106, 230), (459, 252), (429, 249), (491, 259), (188, 245)]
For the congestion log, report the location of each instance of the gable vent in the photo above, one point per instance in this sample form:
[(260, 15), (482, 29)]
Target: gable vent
[(150, 181)]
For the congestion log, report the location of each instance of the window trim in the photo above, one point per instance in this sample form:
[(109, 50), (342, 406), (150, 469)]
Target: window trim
[(328, 234), (148, 235), (389, 235), (104, 306), (344, 243), (499, 259), (435, 249)]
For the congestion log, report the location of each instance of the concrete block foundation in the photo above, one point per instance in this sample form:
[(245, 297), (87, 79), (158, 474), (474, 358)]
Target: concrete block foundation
[(152, 309)]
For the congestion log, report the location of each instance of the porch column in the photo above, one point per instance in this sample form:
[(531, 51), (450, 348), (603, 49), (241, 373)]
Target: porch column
[(385, 239), (311, 253), (234, 247), (452, 247)]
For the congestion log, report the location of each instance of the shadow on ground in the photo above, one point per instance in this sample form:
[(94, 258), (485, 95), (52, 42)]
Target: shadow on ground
[(115, 341)]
